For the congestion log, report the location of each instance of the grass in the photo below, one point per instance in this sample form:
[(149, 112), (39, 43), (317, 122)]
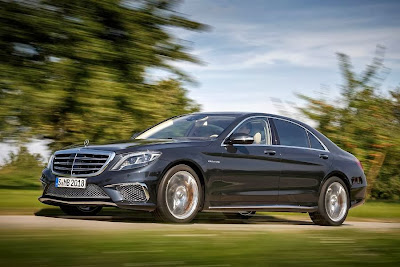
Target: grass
[(371, 210), (25, 202), (377, 210), (21, 172), (20, 201), (207, 247)]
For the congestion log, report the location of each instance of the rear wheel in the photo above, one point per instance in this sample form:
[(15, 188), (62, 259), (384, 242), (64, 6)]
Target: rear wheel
[(333, 204), (179, 195), (81, 210)]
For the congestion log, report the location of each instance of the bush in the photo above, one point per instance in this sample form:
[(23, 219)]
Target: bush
[(21, 171)]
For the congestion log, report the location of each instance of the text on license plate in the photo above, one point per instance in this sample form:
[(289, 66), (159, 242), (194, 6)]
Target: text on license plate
[(70, 182)]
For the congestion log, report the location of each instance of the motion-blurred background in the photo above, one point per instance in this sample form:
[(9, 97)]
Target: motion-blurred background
[(102, 69)]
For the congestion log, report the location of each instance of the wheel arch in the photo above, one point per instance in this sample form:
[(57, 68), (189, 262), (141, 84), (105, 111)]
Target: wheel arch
[(195, 166), (339, 175)]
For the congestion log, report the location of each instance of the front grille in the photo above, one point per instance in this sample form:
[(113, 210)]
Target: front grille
[(91, 191), (80, 163), (133, 192)]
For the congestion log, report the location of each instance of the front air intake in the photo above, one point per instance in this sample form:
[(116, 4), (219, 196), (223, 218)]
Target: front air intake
[(91, 191), (133, 192)]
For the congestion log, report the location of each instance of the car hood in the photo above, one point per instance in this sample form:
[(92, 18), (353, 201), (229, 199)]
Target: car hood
[(126, 144)]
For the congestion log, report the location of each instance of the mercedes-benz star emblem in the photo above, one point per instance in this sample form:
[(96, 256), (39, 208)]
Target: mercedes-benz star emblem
[(86, 142)]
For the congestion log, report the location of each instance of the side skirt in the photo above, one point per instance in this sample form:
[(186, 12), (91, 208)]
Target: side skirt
[(287, 208)]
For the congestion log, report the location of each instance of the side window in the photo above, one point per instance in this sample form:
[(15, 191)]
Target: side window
[(314, 142), (257, 128), (291, 134)]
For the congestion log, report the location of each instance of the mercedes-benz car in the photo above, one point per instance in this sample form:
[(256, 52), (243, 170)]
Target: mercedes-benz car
[(235, 163)]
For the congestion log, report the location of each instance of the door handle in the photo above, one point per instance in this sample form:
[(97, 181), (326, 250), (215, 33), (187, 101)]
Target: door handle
[(270, 152), (323, 156)]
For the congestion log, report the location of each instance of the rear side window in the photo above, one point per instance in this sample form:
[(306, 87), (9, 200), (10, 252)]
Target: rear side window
[(291, 134), (314, 142)]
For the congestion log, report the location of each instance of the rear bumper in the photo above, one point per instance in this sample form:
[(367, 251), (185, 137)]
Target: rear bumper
[(357, 196)]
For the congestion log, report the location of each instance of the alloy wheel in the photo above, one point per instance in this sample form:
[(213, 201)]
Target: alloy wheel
[(182, 195), (336, 201)]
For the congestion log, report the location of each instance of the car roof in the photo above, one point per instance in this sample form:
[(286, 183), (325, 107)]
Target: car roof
[(243, 115), (246, 114)]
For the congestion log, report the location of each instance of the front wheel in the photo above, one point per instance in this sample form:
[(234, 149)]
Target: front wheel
[(333, 204), (179, 195), (81, 210)]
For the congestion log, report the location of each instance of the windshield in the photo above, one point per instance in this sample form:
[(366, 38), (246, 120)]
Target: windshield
[(192, 126)]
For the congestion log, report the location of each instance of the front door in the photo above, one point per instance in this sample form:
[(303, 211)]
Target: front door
[(249, 174)]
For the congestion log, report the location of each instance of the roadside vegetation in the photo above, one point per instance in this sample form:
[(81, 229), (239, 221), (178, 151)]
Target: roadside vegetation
[(364, 120), (22, 170)]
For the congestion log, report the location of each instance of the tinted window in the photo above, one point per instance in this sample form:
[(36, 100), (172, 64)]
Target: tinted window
[(257, 128), (192, 126), (314, 142), (290, 134)]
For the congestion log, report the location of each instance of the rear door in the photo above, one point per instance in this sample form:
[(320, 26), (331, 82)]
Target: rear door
[(305, 162)]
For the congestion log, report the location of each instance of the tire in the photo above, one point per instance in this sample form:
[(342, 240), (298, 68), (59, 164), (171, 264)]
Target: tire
[(333, 203), (81, 210), (179, 195), (245, 215)]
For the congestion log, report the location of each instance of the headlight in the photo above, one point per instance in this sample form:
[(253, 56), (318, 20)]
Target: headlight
[(50, 162), (135, 160)]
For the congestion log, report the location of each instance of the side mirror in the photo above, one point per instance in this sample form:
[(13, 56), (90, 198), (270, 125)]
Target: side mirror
[(242, 139), (134, 135)]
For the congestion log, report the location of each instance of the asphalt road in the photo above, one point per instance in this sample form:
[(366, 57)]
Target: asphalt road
[(259, 223)]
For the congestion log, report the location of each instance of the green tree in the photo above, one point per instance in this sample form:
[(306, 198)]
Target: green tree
[(14, 174), (72, 70), (364, 122)]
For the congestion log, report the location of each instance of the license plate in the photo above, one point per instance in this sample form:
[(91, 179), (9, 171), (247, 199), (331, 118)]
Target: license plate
[(70, 182)]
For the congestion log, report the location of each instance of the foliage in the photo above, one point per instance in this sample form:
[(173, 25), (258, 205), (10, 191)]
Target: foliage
[(73, 70), (364, 122), (21, 171)]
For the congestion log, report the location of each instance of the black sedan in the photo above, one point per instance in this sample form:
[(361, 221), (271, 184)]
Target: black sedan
[(236, 163)]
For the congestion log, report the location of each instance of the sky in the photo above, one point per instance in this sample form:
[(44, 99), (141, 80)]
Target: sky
[(258, 54)]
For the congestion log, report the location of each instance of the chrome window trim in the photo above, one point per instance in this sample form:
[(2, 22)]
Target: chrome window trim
[(110, 154), (326, 149), (270, 134), (322, 144), (246, 119)]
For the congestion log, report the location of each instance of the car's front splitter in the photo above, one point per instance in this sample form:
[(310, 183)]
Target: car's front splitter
[(57, 201)]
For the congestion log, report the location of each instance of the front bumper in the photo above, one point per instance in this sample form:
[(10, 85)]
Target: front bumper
[(56, 201), (131, 189)]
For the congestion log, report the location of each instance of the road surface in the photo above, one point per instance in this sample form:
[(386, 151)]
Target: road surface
[(259, 223)]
